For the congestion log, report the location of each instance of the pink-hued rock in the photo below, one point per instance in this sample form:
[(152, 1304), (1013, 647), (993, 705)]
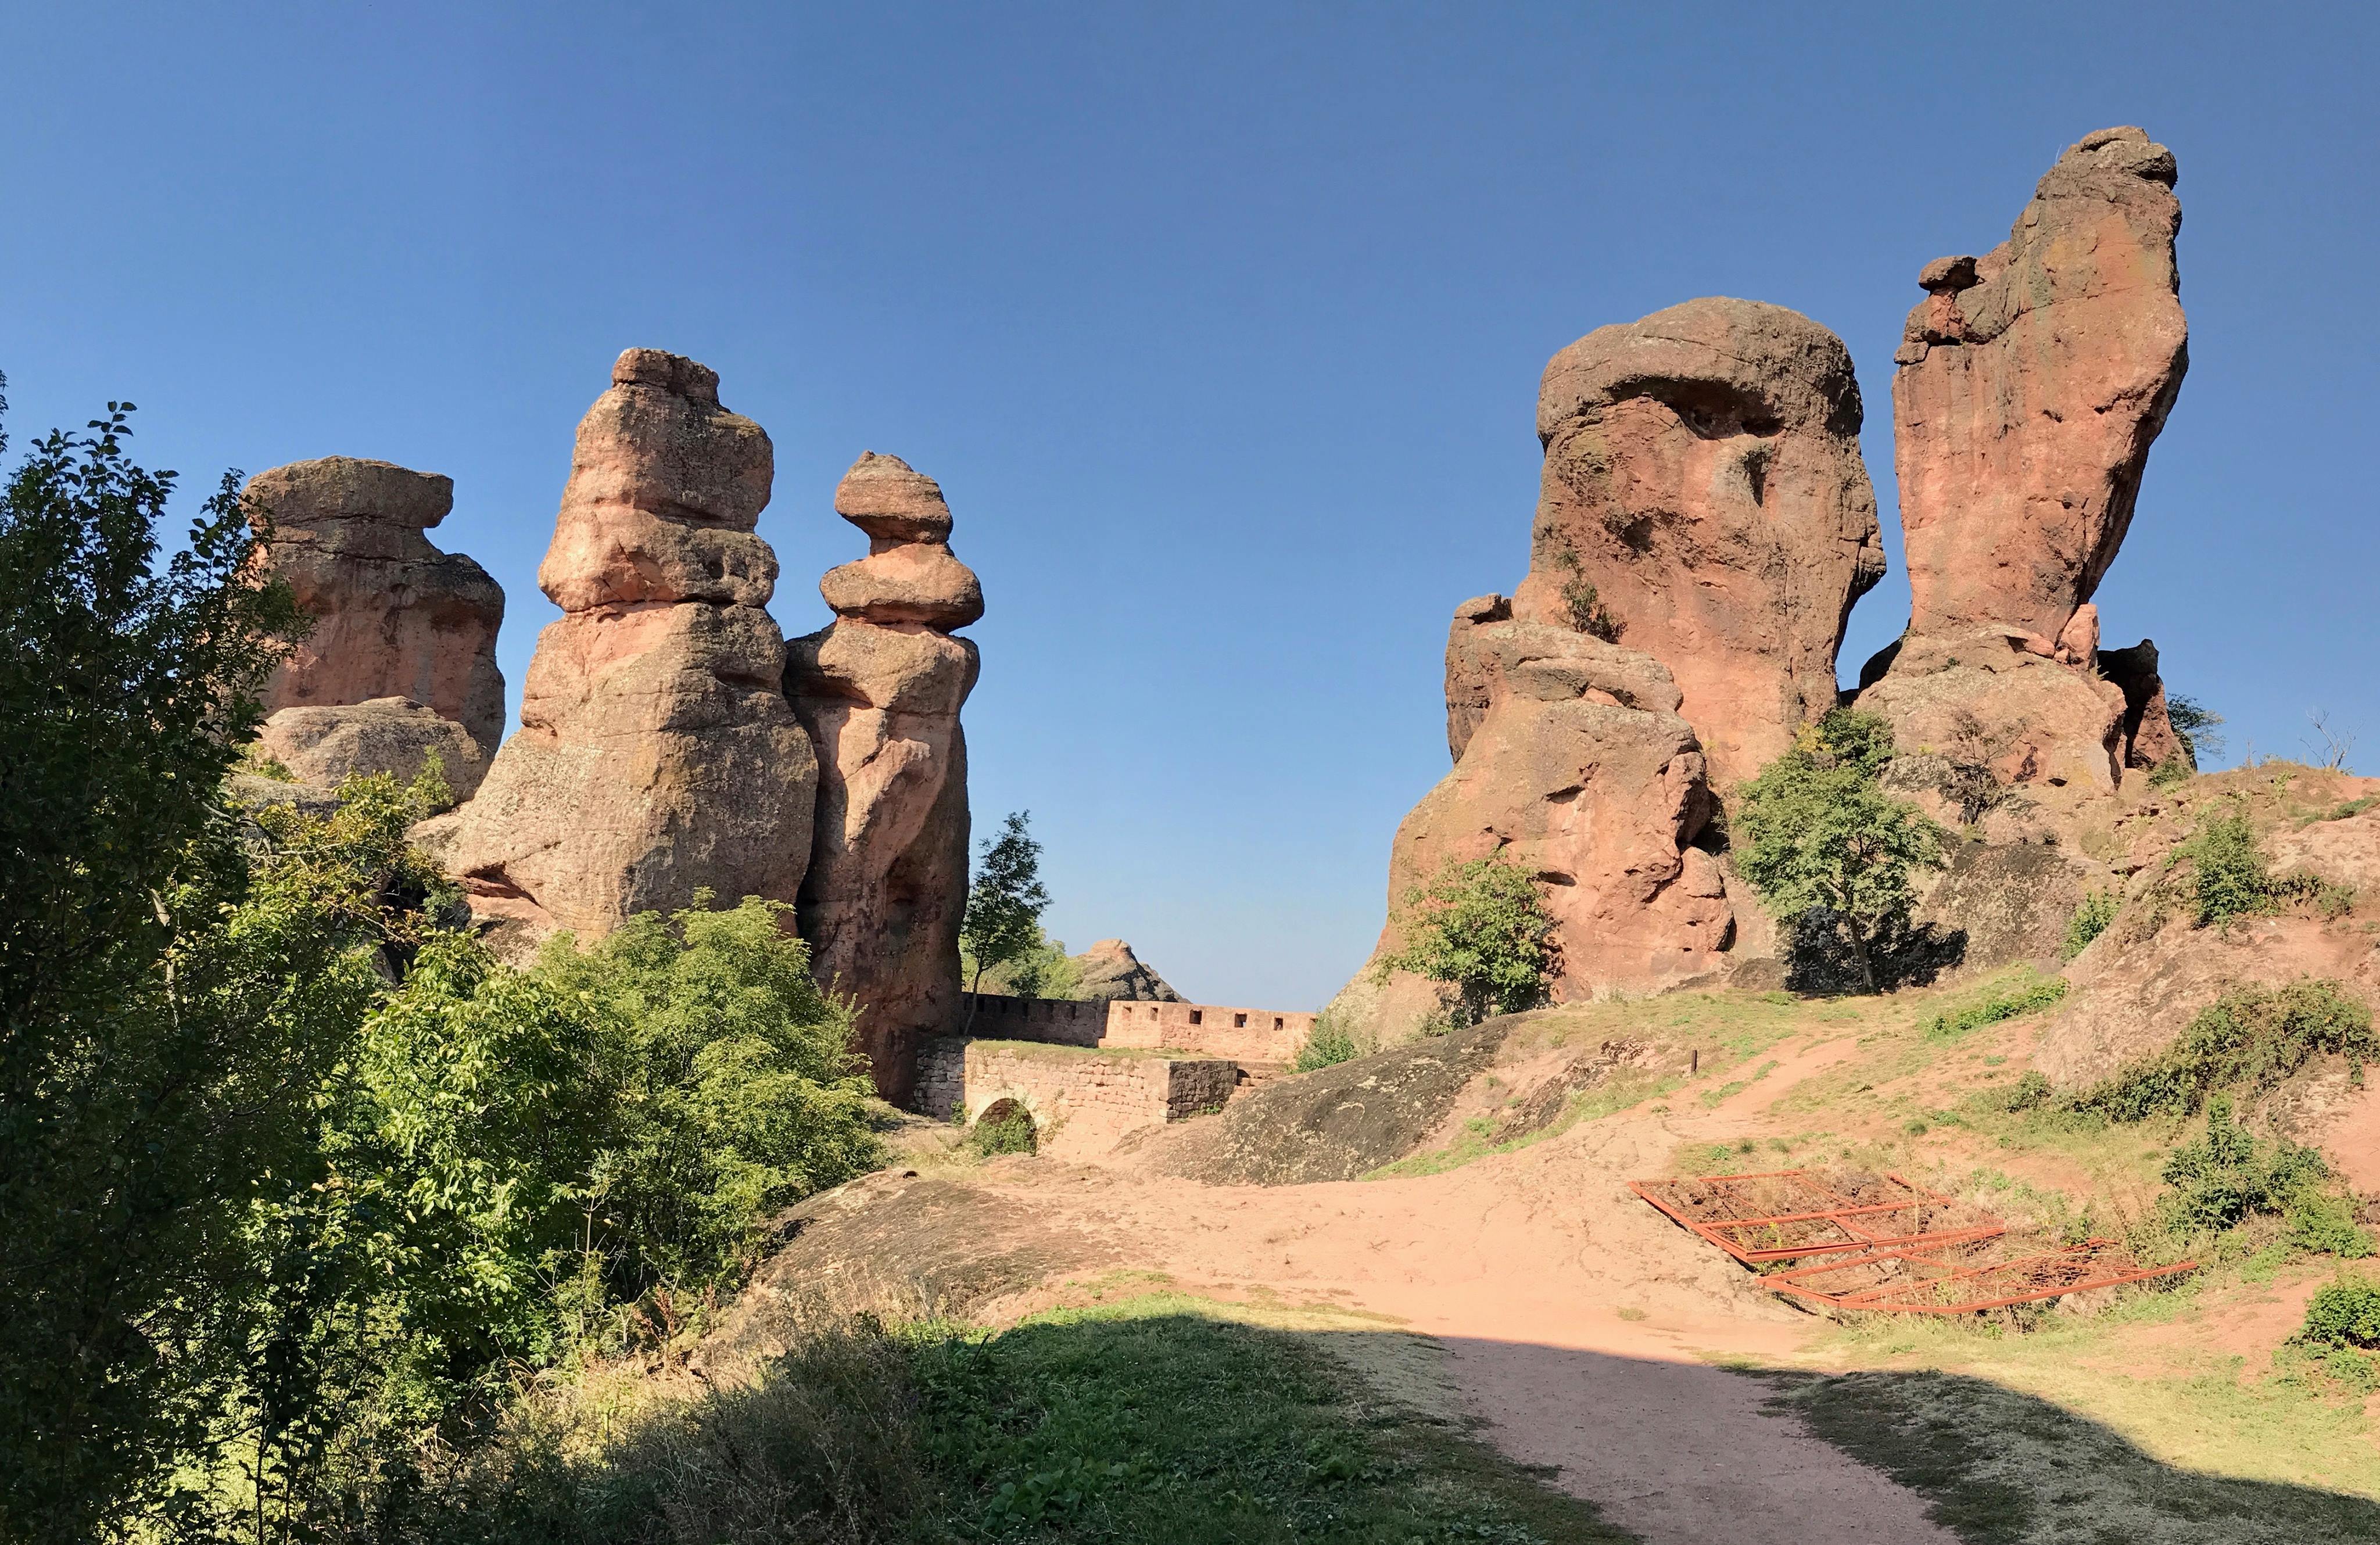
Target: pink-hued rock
[(2079, 644), (1703, 474), (657, 754), (2149, 738), (396, 735), (666, 488), (882, 496), (879, 692), (2032, 383), (1599, 799), (394, 616)]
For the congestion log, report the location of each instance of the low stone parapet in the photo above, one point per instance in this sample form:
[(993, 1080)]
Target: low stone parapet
[(1081, 1100), (1248, 1035)]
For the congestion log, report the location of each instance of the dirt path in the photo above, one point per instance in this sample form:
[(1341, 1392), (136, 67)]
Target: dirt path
[(1578, 1321), (1680, 1453)]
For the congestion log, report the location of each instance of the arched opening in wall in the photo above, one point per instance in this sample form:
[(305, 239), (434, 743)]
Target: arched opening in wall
[(1005, 1127)]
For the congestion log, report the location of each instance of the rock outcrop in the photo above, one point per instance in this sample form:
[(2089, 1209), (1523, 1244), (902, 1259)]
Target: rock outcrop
[(1111, 971), (394, 616), (657, 755), (879, 692), (1580, 771), (2032, 383), (396, 735), (1704, 503)]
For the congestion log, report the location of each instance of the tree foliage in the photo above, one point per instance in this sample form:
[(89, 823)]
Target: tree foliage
[(1482, 929), (1005, 903), (1817, 836)]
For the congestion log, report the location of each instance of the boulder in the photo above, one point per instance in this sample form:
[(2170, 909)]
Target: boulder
[(394, 616), (1702, 475), (2031, 383), (2149, 737), (396, 735), (657, 755), (879, 692), (1598, 798), (1111, 972)]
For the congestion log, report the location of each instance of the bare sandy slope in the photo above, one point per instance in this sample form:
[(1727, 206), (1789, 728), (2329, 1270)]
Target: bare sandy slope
[(1578, 1320)]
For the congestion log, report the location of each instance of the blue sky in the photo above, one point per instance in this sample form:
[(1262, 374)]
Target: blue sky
[(1221, 326)]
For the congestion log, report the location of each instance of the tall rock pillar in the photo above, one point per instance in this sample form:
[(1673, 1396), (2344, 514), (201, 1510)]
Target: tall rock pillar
[(880, 691), (657, 755)]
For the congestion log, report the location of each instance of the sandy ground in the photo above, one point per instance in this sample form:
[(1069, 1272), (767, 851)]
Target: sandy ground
[(1578, 1322)]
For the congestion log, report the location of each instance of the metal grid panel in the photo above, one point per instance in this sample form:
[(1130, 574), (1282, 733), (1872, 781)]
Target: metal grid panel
[(1897, 1247)]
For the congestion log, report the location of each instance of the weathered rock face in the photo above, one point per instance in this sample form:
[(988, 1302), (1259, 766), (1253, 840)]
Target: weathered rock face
[(396, 735), (394, 616), (2032, 382), (2149, 738), (1111, 971), (657, 754), (1581, 771), (1702, 475), (879, 692)]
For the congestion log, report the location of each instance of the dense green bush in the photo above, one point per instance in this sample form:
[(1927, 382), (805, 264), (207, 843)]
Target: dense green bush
[(2344, 1313), (2250, 1038), (1820, 840), (2230, 1175), (2090, 920), (1327, 1045), (2232, 877), (2025, 998), (1005, 1128), (1482, 929)]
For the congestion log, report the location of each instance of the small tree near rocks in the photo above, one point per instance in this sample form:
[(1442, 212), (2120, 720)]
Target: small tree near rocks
[(1821, 841), (1005, 904), (1482, 929)]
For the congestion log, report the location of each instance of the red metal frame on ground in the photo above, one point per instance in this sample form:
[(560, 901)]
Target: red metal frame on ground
[(1942, 1270)]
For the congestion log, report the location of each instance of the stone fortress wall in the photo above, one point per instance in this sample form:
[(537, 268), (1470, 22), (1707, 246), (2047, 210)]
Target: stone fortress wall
[(1081, 1102)]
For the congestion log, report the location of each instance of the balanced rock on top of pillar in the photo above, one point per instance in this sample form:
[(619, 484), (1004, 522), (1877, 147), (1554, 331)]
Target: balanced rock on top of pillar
[(657, 755), (879, 692)]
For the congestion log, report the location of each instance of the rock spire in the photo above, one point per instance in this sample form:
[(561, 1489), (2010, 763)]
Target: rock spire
[(880, 691), (657, 754)]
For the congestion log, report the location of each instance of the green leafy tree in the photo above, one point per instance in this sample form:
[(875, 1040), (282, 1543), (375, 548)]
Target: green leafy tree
[(736, 1090), (2197, 726), (1005, 904), (1482, 929), (1817, 836), (140, 1107), (2232, 879)]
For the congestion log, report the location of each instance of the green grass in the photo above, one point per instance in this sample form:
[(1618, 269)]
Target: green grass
[(1156, 1420), (2027, 996)]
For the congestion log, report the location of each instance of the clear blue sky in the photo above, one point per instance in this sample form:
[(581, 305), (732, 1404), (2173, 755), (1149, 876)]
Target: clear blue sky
[(1221, 326)]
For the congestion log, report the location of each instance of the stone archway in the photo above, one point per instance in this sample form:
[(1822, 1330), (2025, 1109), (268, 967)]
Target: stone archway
[(1006, 1125)]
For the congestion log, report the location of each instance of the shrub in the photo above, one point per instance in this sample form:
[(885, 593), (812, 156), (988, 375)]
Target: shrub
[(1482, 929), (1327, 1045), (2090, 920), (2329, 900), (1819, 839), (2027, 998), (734, 1090), (2029, 1093), (2232, 877), (2252, 1038), (2230, 1175), (1588, 612), (1005, 1128), (2345, 1313), (2170, 772)]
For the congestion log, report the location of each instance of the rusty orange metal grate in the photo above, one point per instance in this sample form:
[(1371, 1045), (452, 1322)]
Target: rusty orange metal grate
[(1895, 1246)]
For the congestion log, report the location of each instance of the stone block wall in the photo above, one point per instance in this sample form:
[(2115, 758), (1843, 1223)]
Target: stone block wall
[(1059, 1021), (1248, 1035), (1080, 1101)]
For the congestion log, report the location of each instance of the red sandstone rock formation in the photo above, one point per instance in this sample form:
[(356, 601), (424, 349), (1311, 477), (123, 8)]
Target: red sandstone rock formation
[(2032, 382), (321, 746), (2149, 738), (1111, 972), (1702, 475), (2031, 385), (394, 616), (879, 692), (657, 755), (1580, 769)]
